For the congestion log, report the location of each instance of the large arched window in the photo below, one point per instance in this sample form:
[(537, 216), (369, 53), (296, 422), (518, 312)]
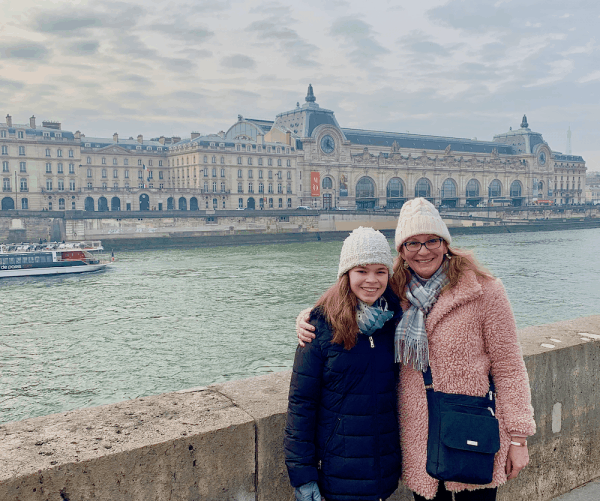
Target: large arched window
[(423, 188), (516, 189), (115, 203), (472, 190), (449, 189), (327, 183), (495, 189), (89, 204), (395, 189), (182, 203), (365, 188), (102, 204)]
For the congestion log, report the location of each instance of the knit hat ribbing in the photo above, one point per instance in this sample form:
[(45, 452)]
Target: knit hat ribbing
[(420, 217), (365, 246)]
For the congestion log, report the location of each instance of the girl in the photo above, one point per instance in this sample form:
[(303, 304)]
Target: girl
[(341, 435)]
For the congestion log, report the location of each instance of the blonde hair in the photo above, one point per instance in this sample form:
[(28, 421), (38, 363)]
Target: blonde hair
[(460, 261)]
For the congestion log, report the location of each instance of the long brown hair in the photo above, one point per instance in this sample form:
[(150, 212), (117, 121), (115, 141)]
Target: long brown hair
[(339, 303), (460, 261)]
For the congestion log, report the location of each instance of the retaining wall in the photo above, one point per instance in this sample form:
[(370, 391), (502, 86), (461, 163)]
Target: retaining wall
[(224, 442)]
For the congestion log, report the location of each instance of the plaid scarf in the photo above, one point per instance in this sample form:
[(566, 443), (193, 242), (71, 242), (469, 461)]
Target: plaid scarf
[(372, 318), (411, 342)]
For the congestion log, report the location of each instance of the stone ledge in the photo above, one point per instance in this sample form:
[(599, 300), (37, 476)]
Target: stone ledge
[(224, 442)]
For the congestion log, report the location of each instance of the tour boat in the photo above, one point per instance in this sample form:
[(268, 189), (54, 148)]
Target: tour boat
[(21, 260)]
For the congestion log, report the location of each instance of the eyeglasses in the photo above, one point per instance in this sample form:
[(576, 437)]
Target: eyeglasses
[(434, 243)]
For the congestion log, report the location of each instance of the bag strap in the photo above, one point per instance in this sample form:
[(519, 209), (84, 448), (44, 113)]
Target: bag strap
[(428, 380)]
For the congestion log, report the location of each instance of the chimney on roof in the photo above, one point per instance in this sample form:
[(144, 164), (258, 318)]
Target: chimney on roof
[(260, 138), (288, 137), (161, 139), (140, 138), (175, 139), (195, 135), (32, 122), (116, 137), (221, 134), (9, 120), (78, 135), (51, 125)]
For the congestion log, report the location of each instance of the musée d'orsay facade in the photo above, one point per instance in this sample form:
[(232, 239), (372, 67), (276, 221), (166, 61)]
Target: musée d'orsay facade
[(259, 164)]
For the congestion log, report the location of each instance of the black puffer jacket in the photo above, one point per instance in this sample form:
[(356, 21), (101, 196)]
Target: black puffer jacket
[(342, 424)]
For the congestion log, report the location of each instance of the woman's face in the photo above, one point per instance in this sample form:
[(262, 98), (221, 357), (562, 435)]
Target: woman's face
[(424, 262), (368, 282)]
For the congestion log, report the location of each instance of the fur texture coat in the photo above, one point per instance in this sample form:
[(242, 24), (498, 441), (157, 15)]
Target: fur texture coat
[(470, 329)]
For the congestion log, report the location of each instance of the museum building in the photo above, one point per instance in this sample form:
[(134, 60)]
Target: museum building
[(302, 158)]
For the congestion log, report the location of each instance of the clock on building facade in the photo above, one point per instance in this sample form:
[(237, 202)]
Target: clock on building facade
[(327, 144)]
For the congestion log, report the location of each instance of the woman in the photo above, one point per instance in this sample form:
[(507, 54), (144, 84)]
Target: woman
[(341, 435), (457, 320)]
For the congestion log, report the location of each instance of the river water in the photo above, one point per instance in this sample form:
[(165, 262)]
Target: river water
[(160, 321)]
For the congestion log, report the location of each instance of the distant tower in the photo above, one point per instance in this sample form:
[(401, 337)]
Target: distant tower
[(569, 141), (310, 97)]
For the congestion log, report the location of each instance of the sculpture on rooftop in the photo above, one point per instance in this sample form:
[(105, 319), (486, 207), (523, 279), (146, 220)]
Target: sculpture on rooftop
[(524, 124), (310, 97)]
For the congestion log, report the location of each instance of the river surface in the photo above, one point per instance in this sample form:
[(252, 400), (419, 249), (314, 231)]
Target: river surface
[(160, 321)]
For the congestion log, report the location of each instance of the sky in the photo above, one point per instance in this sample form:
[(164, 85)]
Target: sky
[(462, 68)]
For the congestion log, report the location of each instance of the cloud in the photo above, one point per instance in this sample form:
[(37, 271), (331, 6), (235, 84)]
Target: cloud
[(299, 52), (11, 85), (181, 30), (65, 24), (83, 48), (360, 36), (238, 62), (471, 15), (24, 49), (590, 77)]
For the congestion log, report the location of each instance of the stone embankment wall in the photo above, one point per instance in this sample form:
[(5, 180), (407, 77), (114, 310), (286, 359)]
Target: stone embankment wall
[(224, 442), (131, 230)]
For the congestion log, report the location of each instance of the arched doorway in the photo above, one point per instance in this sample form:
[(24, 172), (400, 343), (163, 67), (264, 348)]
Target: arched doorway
[(449, 195), (8, 203), (170, 203), (395, 193), (102, 204), (89, 204), (365, 194), (516, 193), (251, 204), (472, 193), (423, 188), (115, 203), (182, 203), (144, 201), (193, 203)]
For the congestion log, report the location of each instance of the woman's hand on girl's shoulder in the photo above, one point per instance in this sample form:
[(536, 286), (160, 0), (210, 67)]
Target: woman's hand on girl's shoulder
[(304, 330)]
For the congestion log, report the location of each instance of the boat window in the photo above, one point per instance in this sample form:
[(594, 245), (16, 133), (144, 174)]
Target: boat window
[(30, 259), (37, 259), (48, 258), (11, 260), (4, 261)]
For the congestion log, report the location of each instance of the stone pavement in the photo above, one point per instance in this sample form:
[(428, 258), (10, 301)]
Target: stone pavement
[(587, 492)]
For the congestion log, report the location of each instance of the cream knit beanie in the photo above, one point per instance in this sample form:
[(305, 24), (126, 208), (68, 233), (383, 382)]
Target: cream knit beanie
[(420, 217), (365, 246)]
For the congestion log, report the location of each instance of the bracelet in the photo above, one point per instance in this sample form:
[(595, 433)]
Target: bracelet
[(518, 444)]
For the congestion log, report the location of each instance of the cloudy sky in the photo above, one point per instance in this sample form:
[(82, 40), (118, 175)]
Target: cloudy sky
[(466, 68)]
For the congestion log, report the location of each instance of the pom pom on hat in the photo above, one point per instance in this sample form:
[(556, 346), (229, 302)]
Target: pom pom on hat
[(419, 217), (365, 246)]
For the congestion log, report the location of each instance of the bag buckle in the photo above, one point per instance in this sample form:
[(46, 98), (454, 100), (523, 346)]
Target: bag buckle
[(429, 386)]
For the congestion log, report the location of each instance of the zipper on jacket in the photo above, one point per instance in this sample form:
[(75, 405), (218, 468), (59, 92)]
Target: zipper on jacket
[(326, 448), (320, 464), (372, 342)]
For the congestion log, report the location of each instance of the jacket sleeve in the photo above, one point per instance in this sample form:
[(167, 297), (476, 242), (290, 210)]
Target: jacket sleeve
[(508, 368), (303, 405)]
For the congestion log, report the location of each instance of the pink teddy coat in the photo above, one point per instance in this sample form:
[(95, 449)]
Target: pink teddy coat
[(470, 328)]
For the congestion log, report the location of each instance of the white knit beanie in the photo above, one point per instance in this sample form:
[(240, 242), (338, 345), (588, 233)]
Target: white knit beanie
[(420, 217), (365, 246)]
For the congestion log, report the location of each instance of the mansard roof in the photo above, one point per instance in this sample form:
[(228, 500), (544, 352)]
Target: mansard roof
[(423, 142), (39, 131), (128, 144)]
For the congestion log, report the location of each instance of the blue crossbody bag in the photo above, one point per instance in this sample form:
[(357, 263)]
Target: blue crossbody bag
[(463, 436)]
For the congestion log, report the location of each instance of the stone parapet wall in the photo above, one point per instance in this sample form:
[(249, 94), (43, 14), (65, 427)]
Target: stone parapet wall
[(224, 441)]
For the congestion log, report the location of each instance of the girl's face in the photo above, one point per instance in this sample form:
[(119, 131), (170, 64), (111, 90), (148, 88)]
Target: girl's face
[(368, 282)]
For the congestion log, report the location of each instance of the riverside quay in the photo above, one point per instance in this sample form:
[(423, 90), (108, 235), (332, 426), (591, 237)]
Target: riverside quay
[(302, 158)]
